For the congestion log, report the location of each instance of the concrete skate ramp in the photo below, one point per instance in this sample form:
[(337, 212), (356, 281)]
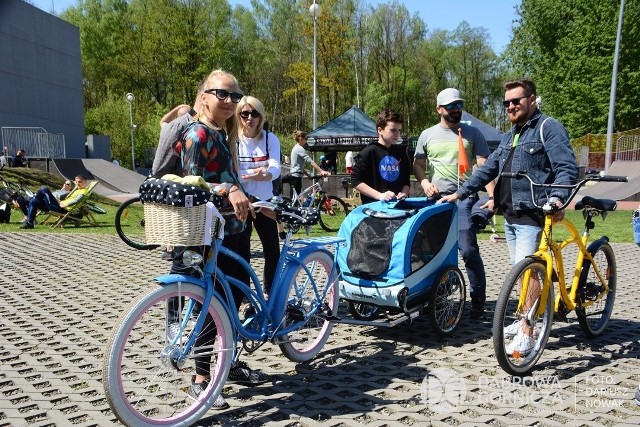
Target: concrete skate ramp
[(617, 190), (112, 179)]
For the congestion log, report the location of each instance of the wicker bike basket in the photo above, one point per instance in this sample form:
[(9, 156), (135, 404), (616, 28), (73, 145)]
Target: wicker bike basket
[(174, 225)]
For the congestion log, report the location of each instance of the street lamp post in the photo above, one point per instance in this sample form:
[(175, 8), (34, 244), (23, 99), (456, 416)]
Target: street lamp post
[(612, 97), (130, 99), (315, 11)]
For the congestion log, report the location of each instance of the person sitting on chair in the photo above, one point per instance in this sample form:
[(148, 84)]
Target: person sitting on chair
[(22, 202), (44, 200)]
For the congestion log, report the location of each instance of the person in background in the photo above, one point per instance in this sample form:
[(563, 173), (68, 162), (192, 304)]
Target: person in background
[(298, 159), (439, 146), (44, 200), (259, 165), (324, 164), (22, 202), (20, 159), (348, 161), (383, 171), (540, 145), (167, 159)]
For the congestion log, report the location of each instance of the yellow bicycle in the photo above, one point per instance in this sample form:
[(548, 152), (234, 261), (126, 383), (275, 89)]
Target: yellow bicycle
[(526, 304)]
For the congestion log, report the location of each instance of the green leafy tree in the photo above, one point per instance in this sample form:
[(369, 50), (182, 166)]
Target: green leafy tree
[(567, 48)]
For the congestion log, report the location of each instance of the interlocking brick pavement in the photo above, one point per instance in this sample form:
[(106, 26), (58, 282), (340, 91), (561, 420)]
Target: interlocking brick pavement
[(60, 295)]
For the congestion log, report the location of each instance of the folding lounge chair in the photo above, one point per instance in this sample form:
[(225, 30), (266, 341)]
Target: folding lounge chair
[(78, 212)]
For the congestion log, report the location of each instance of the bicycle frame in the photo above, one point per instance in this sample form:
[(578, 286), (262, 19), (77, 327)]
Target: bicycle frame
[(550, 252), (269, 312)]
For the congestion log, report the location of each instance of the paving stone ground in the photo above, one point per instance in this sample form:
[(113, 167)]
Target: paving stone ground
[(61, 294)]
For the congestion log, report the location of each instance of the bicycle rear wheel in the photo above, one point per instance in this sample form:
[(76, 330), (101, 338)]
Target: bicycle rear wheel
[(311, 297), (519, 337), (594, 310), (143, 382), (130, 224), (446, 302), (333, 210)]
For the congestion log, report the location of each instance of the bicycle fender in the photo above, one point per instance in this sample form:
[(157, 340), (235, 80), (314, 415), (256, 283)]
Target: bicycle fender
[(167, 279)]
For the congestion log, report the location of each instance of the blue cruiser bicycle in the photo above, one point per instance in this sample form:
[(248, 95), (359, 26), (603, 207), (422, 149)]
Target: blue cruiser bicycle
[(147, 370)]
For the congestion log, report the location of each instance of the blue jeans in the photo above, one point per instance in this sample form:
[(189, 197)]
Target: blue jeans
[(636, 226), (45, 201), (523, 240), (468, 247)]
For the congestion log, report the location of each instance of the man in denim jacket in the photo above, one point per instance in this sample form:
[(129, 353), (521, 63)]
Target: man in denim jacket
[(537, 144)]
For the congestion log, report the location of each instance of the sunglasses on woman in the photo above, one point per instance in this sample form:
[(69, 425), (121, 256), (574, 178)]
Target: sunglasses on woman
[(222, 94), (252, 113)]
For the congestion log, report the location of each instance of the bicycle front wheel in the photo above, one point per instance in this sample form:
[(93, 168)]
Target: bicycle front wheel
[(147, 376), (130, 224), (333, 210), (594, 306), (312, 296), (519, 336)]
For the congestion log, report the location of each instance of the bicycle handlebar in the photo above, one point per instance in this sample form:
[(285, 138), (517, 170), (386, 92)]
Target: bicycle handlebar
[(289, 214), (573, 187)]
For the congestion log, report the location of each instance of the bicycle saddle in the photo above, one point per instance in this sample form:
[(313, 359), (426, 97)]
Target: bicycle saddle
[(598, 204)]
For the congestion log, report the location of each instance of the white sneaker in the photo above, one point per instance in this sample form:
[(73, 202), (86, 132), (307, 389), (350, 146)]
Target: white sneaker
[(513, 329), (521, 345), (172, 332)]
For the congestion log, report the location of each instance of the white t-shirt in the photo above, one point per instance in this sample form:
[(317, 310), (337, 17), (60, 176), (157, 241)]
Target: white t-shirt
[(348, 159), (259, 152)]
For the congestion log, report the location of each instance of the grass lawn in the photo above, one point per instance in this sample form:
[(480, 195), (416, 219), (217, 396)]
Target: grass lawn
[(617, 225)]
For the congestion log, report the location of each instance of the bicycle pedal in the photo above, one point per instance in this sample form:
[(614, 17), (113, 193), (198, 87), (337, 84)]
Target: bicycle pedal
[(561, 315), (295, 313)]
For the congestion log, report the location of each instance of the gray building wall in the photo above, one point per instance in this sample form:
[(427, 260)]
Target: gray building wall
[(40, 74)]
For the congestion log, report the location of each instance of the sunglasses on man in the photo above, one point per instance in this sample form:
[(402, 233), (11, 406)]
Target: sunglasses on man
[(252, 113), (514, 101), (222, 94), (453, 106)]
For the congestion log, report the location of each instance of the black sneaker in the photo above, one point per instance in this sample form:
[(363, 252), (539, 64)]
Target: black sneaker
[(196, 388), (240, 373), (26, 225), (477, 308)]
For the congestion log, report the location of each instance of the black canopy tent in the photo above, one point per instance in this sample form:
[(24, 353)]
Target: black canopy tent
[(492, 135), (350, 131)]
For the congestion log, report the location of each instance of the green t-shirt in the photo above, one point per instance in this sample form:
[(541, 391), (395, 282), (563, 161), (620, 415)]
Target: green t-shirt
[(438, 145)]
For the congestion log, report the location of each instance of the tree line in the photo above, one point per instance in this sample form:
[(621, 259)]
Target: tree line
[(374, 57)]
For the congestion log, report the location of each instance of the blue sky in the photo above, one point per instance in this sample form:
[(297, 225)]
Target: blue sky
[(494, 15)]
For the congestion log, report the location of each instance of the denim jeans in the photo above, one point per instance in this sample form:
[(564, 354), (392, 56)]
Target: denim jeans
[(468, 247), (523, 240), (45, 201)]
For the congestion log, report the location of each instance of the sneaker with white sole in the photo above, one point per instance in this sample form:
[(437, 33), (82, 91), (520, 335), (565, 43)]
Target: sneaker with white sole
[(521, 345), (240, 373), (173, 329), (196, 389), (513, 329)]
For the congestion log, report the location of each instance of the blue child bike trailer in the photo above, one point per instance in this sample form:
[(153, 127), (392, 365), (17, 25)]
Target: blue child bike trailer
[(395, 251)]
